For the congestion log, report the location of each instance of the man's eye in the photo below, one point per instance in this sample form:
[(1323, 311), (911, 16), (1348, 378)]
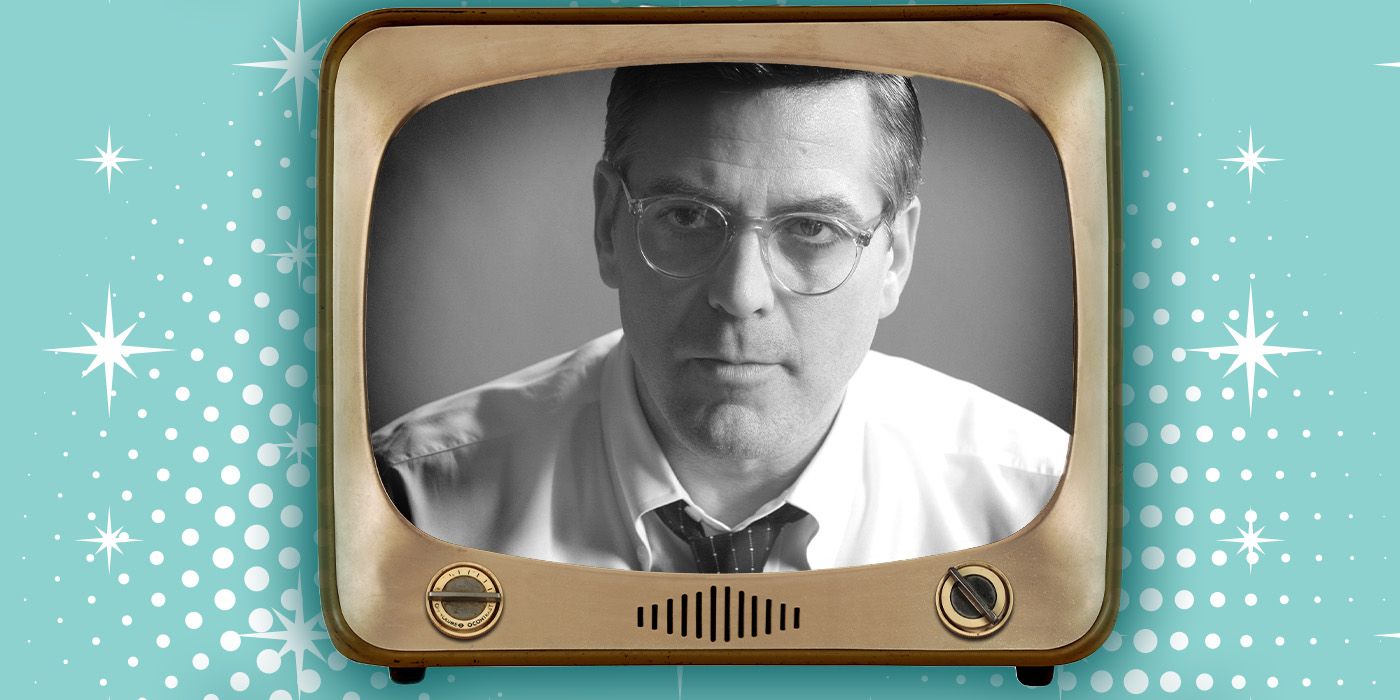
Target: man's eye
[(687, 217), (811, 231)]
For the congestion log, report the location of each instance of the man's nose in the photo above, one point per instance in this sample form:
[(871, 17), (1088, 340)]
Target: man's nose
[(740, 284)]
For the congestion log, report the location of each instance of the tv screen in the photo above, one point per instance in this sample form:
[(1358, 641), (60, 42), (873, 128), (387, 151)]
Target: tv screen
[(905, 397)]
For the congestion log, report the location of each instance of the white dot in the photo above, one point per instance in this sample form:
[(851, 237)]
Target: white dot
[(1179, 475), (214, 316), (1178, 354), (1101, 681), (252, 394), (211, 413), (157, 558), (170, 434), (1184, 516), (1212, 475), (1142, 355), (224, 599), (224, 374), (172, 681), (1161, 317), (1141, 280), (239, 434), (1171, 206), (289, 558), (1178, 278), (1185, 599), (200, 661), (296, 376), (1145, 641), (255, 578), (291, 516), (193, 495), (230, 641), (284, 213), (1145, 474), (280, 414), (222, 557), (1151, 516), (285, 162), (1227, 393), (190, 537), (1170, 434), (1157, 394), (1198, 315), (1151, 599), (261, 300), (182, 393), (1186, 558), (1237, 682), (1237, 433), (157, 516), (238, 681), (269, 454), (288, 319), (1250, 599), (268, 356), (1180, 641), (1193, 393), (1153, 557), (163, 640), (231, 226), (1135, 434), (260, 495), (187, 297), (1135, 681), (224, 516), (1217, 599), (197, 354), (190, 578), (1246, 641), (1246, 474), (256, 537), (1204, 433), (200, 454)]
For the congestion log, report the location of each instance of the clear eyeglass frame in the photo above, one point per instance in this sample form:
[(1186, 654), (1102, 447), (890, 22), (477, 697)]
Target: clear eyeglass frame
[(858, 237)]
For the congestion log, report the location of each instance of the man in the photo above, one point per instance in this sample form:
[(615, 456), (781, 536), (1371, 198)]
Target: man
[(757, 222)]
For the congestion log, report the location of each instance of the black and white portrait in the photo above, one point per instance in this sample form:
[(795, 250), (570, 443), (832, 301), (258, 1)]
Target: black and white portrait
[(720, 318)]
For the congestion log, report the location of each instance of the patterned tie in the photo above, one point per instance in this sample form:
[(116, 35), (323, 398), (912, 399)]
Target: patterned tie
[(742, 551)]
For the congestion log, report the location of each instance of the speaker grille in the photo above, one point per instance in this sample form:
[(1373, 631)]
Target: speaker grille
[(721, 613)]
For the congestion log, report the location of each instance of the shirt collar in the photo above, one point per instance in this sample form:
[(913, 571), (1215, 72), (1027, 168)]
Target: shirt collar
[(829, 489)]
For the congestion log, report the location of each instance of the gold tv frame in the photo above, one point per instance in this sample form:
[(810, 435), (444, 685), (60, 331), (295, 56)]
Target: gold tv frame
[(1063, 567)]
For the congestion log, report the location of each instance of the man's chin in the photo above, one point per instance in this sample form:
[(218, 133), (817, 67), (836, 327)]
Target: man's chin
[(732, 431)]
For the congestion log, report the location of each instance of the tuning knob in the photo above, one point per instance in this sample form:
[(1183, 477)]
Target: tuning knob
[(973, 600)]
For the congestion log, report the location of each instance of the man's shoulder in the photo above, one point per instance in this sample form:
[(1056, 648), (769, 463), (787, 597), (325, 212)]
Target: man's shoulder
[(510, 405), (957, 417)]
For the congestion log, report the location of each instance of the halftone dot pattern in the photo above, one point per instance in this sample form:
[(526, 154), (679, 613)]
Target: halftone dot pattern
[(167, 546)]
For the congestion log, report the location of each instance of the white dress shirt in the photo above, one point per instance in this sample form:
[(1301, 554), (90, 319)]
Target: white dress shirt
[(556, 462)]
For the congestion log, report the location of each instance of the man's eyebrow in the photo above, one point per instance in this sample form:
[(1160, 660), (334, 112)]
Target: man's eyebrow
[(833, 205)]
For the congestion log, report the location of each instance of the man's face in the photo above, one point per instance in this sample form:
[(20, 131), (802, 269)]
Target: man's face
[(731, 364)]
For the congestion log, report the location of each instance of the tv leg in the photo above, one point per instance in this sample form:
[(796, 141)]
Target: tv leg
[(408, 675), (1035, 676)]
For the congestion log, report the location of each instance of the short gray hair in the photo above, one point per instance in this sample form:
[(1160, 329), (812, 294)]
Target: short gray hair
[(899, 146)]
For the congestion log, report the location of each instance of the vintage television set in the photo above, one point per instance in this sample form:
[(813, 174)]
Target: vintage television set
[(474, 220)]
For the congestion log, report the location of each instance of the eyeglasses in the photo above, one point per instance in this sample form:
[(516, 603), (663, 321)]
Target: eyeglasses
[(683, 237)]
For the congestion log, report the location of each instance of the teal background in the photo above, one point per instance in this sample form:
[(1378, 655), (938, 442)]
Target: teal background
[(1314, 241)]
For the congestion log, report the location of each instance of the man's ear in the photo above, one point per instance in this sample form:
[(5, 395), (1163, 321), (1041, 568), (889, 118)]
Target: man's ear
[(607, 191), (904, 232)]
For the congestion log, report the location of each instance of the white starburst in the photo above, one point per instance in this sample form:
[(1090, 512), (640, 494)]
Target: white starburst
[(1250, 350), (297, 63), (299, 445), (108, 350), (1250, 160), (108, 159), (1251, 540), (298, 635), (297, 256), (109, 539)]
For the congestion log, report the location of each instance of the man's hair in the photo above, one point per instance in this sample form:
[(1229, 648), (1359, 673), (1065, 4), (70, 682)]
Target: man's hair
[(899, 143)]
